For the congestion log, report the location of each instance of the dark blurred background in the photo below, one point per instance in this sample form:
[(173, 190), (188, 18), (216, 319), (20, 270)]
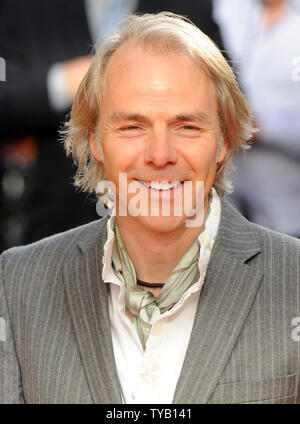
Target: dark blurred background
[(46, 47)]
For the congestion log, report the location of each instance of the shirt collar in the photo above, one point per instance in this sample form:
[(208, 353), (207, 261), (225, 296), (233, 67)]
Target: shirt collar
[(206, 238)]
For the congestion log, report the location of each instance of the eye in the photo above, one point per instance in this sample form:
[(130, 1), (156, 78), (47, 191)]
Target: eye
[(130, 128), (190, 127), (189, 130), (130, 131)]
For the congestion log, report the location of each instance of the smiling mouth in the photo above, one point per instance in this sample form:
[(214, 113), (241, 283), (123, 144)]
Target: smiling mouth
[(161, 186)]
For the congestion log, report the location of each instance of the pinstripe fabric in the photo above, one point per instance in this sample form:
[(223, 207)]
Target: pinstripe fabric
[(58, 346), (241, 349), (87, 300)]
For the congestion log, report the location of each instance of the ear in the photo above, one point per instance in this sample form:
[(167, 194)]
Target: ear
[(223, 151), (94, 148)]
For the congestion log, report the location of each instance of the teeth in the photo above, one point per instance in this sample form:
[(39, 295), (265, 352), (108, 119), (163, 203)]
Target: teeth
[(157, 186), (145, 183), (164, 185), (175, 184), (161, 186)]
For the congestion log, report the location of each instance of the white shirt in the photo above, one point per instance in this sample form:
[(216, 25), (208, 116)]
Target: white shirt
[(151, 376)]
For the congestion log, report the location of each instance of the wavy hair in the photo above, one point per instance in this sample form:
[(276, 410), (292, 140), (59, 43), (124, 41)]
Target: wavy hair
[(164, 30)]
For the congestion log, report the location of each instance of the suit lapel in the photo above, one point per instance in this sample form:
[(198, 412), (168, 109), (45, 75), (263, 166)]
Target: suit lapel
[(87, 298), (227, 295)]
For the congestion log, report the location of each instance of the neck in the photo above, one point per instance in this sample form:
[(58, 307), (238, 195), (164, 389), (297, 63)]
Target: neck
[(153, 253)]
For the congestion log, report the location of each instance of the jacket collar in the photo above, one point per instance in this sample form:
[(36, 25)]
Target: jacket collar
[(87, 299), (232, 280), (229, 289), (236, 234)]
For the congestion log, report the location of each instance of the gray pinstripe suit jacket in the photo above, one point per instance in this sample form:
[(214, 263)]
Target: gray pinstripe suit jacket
[(58, 346)]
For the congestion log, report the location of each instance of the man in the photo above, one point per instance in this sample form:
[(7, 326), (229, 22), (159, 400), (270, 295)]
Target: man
[(147, 307), (46, 67)]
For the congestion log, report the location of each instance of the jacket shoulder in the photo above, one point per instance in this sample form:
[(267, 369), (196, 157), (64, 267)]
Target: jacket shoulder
[(270, 237), (281, 252), (52, 251), (245, 240)]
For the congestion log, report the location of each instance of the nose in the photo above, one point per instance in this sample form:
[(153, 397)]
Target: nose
[(160, 151)]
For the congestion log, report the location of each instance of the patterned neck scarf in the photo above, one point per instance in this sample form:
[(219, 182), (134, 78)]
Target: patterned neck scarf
[(144, 307)]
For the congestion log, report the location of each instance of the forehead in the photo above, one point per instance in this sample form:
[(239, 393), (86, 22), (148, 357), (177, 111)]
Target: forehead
[(156, 77)]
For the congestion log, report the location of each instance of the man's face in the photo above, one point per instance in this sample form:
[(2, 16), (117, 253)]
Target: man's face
[(158, 122)]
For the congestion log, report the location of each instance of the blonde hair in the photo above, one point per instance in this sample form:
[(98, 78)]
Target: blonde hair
[(164, 30)]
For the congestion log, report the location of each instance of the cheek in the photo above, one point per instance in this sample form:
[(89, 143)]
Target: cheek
[(121, 156), (202, 161), (115, 162)]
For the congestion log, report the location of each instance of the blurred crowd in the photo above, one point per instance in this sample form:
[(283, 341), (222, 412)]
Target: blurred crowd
[(262, 38), (47, 49)]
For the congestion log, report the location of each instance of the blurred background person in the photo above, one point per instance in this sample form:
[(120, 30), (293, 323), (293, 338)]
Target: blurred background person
[(262, 38), (47, 47)]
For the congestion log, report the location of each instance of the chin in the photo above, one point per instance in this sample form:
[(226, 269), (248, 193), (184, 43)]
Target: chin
[(162, 224)]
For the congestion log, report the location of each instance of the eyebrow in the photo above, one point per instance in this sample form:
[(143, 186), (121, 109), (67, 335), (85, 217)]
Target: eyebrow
[(197, 116)]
